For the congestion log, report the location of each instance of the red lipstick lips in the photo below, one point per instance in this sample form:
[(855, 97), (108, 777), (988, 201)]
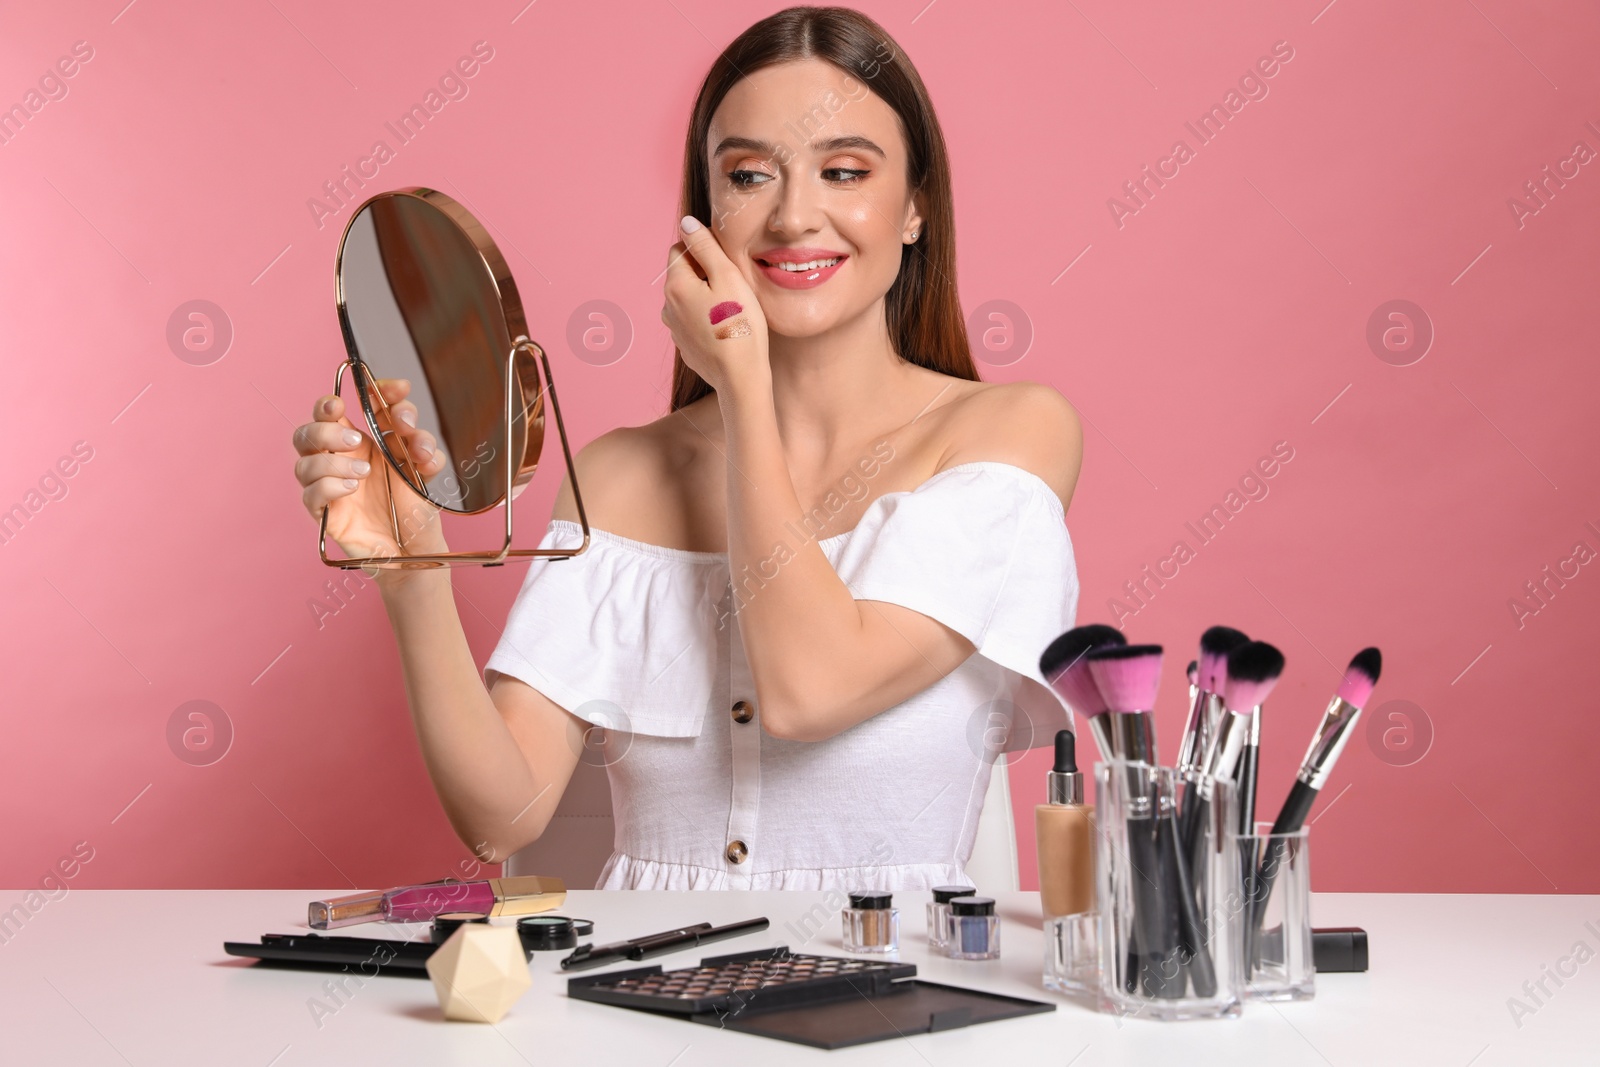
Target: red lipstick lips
[(788, 278)]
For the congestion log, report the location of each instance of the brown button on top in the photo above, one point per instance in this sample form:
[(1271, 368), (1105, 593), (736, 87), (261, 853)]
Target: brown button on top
[(736, 852), (743, 711)]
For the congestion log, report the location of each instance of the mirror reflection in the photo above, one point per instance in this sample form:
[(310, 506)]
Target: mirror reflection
[(419, 302)]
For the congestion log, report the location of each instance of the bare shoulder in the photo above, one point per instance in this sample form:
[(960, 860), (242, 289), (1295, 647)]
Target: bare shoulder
[(1027, 424), (634, 479)]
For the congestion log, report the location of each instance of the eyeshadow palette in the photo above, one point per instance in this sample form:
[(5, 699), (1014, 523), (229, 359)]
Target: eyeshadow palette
[(822, 1001), (777, 977)]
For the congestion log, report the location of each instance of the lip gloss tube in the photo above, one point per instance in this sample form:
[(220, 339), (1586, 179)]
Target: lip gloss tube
[(496, 896), (346, 910)]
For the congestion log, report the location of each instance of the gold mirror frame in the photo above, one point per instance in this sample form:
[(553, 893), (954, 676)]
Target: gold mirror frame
[(524, 362)]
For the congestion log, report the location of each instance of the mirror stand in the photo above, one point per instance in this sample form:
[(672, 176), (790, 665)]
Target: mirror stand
[(485, 558)]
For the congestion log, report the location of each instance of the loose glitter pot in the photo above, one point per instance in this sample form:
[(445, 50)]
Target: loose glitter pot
[(871, 923)]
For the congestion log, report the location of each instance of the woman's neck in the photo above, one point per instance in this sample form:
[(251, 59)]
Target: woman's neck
[(832, 390)]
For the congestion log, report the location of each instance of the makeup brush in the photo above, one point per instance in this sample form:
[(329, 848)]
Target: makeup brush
[(1128, 677), (1215, 644), (1355, 689), (1250, 681), (1244, 775), (1251, 670), (1191, 729), (1170, 946), (1205, 704), (1064, 667), (1205, 708)]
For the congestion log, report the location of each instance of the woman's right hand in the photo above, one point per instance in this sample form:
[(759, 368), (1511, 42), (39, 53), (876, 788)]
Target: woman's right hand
[(341, 469)]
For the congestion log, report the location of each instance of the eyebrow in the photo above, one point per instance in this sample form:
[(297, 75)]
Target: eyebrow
[(832, 144)]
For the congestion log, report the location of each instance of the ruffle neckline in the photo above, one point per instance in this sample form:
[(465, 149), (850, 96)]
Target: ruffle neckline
[(685, 555)]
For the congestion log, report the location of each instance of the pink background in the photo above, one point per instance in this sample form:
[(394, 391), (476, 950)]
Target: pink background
[(1229, 313)]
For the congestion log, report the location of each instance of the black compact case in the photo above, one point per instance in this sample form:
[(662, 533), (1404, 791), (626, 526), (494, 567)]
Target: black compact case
[(822, 1001), (374, 956), (369, 956)]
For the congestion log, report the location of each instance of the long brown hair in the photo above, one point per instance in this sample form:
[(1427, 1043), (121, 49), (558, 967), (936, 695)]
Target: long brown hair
[(922, 307)]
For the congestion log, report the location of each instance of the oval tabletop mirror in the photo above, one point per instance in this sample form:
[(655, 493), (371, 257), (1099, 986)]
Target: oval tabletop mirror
[(425, 296)]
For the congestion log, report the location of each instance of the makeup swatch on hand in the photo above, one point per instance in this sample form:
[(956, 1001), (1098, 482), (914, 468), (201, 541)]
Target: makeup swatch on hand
[(726, 309), (739, 327)]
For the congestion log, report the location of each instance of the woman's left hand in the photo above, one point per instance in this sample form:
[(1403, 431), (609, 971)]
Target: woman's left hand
[(713, 314)]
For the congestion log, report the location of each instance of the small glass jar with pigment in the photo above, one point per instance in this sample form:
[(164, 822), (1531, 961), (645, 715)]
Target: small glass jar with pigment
[(872, 922)]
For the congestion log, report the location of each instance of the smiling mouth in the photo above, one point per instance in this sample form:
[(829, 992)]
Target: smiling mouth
[(801, 268)]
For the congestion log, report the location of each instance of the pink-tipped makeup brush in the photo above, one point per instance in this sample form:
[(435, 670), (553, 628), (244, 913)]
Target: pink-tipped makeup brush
[(1251, 671), (1251, 676), (1128, 677), (1205, 695), (1355, 689), (1174, 950), (1064, 666)]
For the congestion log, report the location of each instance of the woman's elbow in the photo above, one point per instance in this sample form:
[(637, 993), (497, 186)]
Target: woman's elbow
[(790, 720), (497, 845)]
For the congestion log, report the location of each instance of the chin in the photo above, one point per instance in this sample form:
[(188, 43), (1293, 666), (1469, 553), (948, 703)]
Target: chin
[(801, 324)]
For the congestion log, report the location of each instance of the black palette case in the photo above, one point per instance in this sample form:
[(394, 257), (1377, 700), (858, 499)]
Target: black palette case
[(823, 1001)]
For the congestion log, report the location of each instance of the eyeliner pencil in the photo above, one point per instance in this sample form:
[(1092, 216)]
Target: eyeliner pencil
[(640, 948)]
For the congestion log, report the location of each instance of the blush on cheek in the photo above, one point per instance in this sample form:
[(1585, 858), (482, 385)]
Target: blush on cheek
[(739, 327)]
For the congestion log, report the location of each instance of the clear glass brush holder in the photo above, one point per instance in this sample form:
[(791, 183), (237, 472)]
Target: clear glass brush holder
[(1169, 884), (1275, 941)]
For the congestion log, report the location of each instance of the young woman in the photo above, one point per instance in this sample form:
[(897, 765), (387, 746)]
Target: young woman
[(817, 587)]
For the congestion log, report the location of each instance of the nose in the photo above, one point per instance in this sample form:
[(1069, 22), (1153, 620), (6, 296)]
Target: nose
[(798, 207)]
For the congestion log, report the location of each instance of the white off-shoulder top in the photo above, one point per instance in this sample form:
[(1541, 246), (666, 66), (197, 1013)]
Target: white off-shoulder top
[(640, 639)]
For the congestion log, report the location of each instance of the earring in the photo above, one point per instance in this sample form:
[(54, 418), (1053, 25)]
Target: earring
[(915, 234)]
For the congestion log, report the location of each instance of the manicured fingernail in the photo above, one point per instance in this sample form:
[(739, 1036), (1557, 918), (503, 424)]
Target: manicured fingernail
[(327, 407), (408, 417), (689, 223), (361, 466), (724, 310), (350, 483), (352, 438)]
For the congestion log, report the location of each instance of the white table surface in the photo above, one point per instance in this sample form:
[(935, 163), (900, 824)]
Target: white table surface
[(139, 977)]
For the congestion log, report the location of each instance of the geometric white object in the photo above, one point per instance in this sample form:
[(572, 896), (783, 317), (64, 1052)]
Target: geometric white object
[(479, 972)]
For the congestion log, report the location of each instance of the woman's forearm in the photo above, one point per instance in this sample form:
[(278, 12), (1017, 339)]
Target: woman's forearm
[(484, 780), (793, 610)]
